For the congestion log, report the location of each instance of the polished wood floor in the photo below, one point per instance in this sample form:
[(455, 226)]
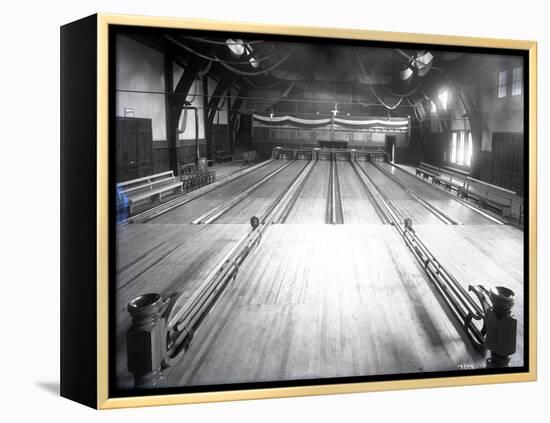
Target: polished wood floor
[(166, 259), (316, 300)]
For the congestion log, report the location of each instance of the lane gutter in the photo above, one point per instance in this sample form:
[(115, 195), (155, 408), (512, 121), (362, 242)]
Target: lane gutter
[(163, 208), (436, 211)]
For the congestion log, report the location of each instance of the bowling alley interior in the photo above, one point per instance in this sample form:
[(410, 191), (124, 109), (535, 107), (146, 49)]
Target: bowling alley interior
[(294, 209)]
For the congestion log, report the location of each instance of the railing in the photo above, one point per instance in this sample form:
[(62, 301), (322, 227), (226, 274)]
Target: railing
[(164, 327), (479, 315)]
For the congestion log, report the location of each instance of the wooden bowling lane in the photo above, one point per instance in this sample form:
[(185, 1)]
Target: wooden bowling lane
[(259, 200), (188, 212), (357, 204), (163, 258), (489, 255), (439, 198), (317, 301), (405, 204), (311, 205)]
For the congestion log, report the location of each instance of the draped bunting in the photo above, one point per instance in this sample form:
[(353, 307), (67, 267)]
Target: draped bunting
[(372, 122), (400, 124), (292, 119)]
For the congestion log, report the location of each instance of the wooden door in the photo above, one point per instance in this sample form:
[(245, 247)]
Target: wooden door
[(244, 134), (507, 161), (134, 148), (220, 139)]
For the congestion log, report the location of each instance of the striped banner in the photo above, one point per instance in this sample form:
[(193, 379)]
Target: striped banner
[(378, 123)]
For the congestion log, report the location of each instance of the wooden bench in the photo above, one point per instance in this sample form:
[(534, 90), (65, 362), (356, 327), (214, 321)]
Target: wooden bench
[(455, 171), (427, 170), (456, 178), (223, 156), (147, 188), (488, 195)]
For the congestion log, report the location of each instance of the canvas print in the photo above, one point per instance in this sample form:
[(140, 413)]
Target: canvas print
[(290, 211)]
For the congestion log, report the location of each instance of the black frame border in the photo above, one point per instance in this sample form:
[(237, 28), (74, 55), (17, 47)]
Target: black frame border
[(114, 392)]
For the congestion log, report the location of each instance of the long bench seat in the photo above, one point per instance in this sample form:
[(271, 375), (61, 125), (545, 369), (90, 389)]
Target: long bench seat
[(452, 183), (452, 178), (427, 170), (485, 194), (488, 195), (455, 171), (150, 188)]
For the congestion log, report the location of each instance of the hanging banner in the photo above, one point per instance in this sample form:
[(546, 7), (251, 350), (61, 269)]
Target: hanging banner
[(349, 122)]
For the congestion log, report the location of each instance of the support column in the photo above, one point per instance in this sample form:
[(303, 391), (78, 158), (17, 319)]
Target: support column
[(207, 128), (179, 99), (171, 136), (235, 108)]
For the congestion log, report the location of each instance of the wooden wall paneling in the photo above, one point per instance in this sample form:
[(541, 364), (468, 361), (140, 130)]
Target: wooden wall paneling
[(485, 163), (134, 153), (160, 156), (244, 134), (507, 163), (145, 147), (219, 134), (233, 114)]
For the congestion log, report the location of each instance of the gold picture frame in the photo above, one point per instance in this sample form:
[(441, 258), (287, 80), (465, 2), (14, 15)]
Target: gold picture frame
[(101, 265)]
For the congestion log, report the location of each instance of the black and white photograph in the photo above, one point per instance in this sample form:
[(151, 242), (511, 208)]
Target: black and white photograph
[(292, 210)]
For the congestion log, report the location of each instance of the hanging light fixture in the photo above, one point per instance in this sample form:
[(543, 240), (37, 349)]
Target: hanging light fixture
[(406, 74), (236, 46), (424, 62), (253, 62)]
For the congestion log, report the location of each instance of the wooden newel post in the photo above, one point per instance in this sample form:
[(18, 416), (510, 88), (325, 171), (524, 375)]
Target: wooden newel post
[(146, 340), (501, 327)]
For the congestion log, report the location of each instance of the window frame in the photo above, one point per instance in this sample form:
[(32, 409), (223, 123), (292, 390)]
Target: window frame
[(502, 84), (517, 83), (461, 149)]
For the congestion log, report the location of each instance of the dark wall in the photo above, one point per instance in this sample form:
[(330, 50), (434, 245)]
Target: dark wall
[(265, 138), (496, 124), (503, 166), (186, 154), (312, 99), (243, 139)]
